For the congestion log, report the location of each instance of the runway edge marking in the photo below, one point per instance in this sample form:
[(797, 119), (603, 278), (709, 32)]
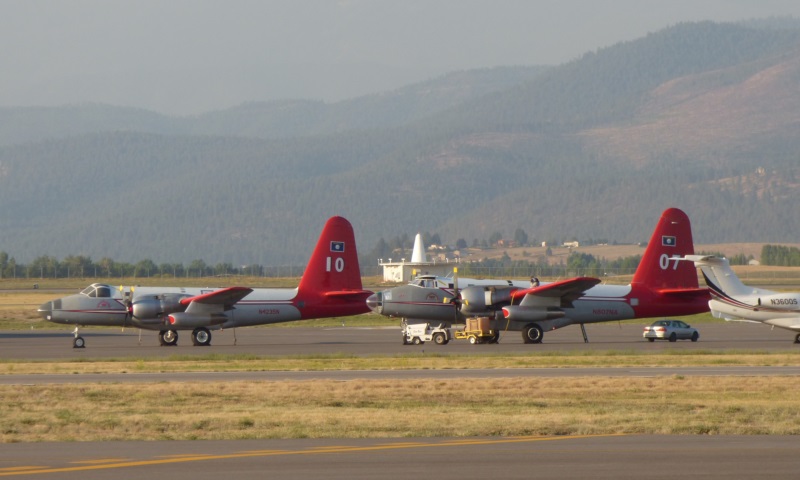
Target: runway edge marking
[(308, 451)]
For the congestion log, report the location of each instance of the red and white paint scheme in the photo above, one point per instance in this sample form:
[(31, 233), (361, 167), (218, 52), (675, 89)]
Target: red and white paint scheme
[(662, 286), (330, 287)]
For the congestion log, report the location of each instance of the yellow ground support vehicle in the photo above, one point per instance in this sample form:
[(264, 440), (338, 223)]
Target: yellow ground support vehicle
[(478, 330)]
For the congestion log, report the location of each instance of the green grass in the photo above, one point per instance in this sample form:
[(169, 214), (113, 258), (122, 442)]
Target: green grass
[(411, 361)]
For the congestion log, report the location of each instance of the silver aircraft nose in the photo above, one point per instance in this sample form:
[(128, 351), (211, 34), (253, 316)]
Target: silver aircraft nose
[(46, 310), (375, 302)]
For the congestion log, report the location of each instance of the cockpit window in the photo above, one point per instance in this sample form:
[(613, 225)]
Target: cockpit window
[(97, 291)]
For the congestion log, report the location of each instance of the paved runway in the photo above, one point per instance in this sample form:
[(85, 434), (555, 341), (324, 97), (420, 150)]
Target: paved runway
[(573, 457), (566, 457), (112, 343)]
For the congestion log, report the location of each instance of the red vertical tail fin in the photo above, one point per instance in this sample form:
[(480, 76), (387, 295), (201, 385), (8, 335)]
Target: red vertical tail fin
[(334, 263), (659, 268)]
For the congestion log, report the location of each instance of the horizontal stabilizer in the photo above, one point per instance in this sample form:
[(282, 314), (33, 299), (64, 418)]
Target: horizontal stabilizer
[(685, 292), (702, 258), (348, 293)]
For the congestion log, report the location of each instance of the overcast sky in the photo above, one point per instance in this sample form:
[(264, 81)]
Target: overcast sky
[(191, 56)]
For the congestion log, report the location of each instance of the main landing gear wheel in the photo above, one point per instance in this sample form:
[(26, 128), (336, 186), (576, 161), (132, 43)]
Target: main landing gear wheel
[(532, 333), (168, 338), (201, 337), (494, 338)]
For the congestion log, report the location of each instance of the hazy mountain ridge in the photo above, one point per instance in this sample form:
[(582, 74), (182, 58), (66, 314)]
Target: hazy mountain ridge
[(699, 116), (270, 120)]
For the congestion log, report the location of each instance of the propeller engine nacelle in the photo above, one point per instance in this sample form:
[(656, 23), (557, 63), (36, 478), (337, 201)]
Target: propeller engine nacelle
[(477, 301), (517, 313), (186, 320), (156, 306)]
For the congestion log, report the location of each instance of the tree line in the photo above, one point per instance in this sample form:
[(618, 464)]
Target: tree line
[(577, 263), (80, 266), (778, 255)]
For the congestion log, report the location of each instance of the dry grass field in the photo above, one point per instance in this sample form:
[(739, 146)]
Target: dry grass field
[(382, 408), (413, 408)]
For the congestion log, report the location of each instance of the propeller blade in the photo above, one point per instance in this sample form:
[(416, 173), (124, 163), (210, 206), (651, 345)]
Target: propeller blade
[(456, 293)]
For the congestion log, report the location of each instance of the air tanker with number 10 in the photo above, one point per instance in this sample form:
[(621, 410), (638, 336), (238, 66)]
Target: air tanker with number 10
[(330, 287)]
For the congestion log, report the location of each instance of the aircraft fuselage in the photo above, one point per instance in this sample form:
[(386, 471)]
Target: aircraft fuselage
[(601, 303), (260, 307)]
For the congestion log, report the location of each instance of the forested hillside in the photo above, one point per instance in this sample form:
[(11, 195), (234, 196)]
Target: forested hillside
[(703, 117)]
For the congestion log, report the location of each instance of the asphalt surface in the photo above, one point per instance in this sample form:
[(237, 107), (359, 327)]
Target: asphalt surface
[(113, 343), (565, 457)]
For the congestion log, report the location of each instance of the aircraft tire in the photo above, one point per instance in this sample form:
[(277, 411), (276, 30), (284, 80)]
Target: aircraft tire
[(201, 337), (439, 338), (168, 338), (532, 333), (494, 338), (79, 342)]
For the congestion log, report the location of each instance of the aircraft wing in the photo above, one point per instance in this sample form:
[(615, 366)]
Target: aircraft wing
[(567, 290), (346, 294), (685, 292), (220, 300)]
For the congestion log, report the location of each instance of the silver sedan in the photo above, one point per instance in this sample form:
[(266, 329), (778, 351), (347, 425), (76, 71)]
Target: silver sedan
[(672, 330)]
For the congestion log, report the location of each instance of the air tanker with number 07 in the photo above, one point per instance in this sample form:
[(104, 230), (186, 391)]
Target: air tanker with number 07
[(330, 287), (662, 286)]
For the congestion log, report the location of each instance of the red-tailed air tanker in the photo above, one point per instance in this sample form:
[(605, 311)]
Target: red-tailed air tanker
[(330, 287), (662, 286)]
